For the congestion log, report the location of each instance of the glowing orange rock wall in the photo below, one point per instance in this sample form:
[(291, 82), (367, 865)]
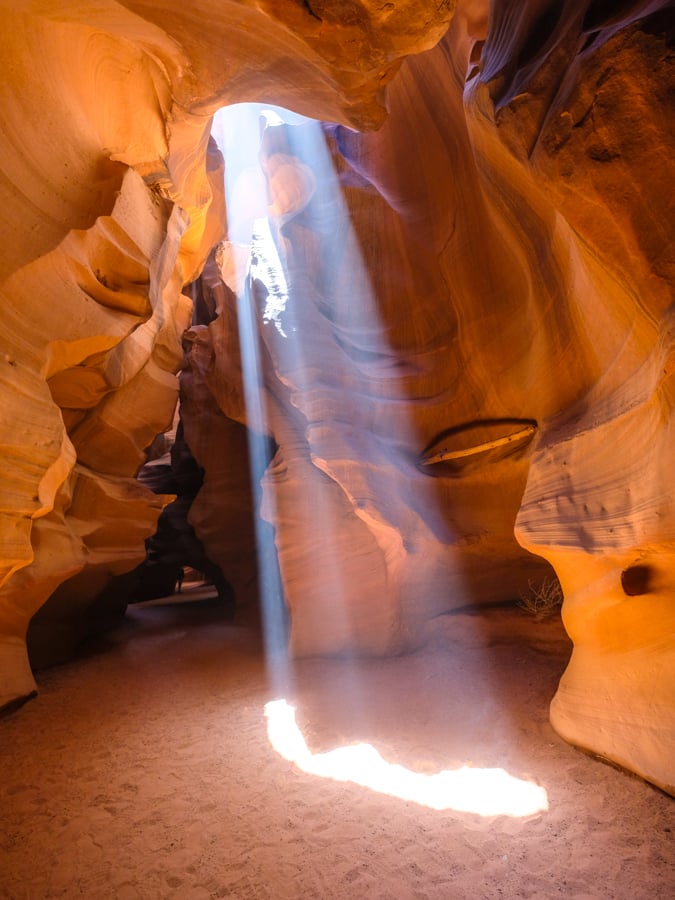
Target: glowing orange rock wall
[(106, 211), (513, 283), (600, 495), (580, 105), (515, 216)]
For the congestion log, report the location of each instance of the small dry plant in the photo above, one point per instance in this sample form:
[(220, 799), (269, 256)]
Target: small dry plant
[(542, 600)]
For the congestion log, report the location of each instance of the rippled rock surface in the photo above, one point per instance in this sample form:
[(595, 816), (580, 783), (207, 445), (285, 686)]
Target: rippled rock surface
[(513, 219)]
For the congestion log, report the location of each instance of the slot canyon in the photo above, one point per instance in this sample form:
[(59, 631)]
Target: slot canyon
[(361, 315)]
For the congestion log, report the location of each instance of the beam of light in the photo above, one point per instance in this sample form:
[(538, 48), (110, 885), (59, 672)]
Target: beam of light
[(315, 350), (308, 311), (262, 196), (485, 792), (273, 609), (237, 131), (322, 328)]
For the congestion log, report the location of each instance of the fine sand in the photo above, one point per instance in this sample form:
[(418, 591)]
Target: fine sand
[(146, 770)]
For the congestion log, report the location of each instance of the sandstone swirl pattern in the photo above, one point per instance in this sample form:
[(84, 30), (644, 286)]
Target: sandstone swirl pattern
[(515, 214)]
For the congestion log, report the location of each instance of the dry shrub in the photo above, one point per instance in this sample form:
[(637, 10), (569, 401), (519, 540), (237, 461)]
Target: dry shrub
[(543, 600)]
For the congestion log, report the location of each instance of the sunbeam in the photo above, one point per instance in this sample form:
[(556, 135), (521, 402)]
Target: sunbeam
[(486, 792), (238, 130), (326, 365), (313, 286)]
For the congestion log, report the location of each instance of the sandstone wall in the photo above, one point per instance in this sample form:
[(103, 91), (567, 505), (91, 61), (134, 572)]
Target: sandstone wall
[(107, 209), (514, 215), (510, 282)]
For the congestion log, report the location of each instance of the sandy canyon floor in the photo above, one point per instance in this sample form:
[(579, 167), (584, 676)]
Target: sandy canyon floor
[(146, 770)]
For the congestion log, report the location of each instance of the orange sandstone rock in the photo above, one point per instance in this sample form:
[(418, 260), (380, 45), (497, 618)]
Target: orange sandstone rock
[(108, 209), (514, 215)]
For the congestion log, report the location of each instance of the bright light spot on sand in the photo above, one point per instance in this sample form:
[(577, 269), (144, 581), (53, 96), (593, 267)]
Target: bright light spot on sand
[(486, 792)]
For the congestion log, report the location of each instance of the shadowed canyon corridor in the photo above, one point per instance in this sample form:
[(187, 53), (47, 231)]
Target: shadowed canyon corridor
[(337, 506)]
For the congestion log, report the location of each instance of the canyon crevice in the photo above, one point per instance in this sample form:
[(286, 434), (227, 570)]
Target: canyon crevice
[(466, 374)]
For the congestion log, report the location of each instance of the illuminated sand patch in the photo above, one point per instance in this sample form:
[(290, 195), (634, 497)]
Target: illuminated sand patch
[(486, 792)]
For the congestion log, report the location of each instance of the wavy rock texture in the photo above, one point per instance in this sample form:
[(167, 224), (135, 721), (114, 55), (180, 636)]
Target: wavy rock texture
[(514, 220), (599, 498), (358, 381), (107, 210), (581, 103), (510, 284)]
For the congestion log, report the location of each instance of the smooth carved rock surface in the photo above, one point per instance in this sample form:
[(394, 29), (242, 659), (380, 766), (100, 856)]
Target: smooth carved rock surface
[(599, 498), (358, 380), (514, 215), (107, 210), (540, 294)]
